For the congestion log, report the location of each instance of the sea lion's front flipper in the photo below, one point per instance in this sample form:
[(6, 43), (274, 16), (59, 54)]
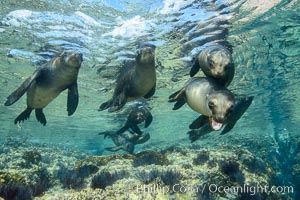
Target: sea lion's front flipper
[(18, 93), (148, 120), (124, 128), (40, 116), (237, 112), (195, 68), (144, 138), (73, 98), (151, 92), (113, 149), (24, 115), (199, 122), (136, 129)]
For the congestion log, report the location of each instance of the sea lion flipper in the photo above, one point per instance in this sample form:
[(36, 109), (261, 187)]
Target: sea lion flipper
[(106, 133), (20, 91), (148, 120), (118, 102), (143, 138), (237, 112), (73, 98), (151, 92), (136, 129), (123, 129), (24, 115), (113, 149), (40, 116), (177, 95), (199, 122), (179, 104), (195, 68), (105, 105)]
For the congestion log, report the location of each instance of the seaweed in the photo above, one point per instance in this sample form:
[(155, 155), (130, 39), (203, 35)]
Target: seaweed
[(32, 156), (149, 158), (106, 178), (70, 178), (231, 168), (15, 191), (201, 158), (147, 176), (171, 177)]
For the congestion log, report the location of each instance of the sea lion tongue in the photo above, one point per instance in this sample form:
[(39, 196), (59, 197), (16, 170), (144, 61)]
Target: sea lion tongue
[(215, 125)]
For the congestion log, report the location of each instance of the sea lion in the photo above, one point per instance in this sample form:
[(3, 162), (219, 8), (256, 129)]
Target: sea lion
[(137, 115), (207, 97), (126, 140), (47, 83), (216, 62), (135, 81), (204, 128)]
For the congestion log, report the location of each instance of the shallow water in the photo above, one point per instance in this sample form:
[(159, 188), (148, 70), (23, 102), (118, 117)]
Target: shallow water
[(266, 48)]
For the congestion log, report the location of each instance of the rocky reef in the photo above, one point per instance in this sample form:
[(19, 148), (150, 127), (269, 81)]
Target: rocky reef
[(41, 172)]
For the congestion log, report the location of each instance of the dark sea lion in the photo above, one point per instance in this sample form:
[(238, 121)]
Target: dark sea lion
[(126, 140), (207, 97), (47, 83), (237, 112), (137, 115), (216, 62), (134, 81)]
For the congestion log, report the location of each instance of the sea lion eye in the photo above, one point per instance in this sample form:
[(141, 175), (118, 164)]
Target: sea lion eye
[(211, 104)]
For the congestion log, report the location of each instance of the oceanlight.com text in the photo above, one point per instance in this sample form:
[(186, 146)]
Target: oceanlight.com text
[(213, 188)]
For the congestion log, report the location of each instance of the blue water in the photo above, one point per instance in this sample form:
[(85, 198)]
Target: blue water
[(266, 48)]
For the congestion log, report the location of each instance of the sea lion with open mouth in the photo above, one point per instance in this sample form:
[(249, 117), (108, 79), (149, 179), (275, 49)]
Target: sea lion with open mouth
[(207, 97)]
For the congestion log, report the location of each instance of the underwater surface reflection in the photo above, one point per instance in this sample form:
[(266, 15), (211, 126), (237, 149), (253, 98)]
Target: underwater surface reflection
[(263, 147)]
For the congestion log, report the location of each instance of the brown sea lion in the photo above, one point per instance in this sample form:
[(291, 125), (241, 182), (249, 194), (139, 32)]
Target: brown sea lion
[(47, 83), (207, 97), (216, 62), (134, 81), (201, 125)]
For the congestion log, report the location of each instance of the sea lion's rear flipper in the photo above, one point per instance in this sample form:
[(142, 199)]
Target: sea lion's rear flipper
[(237, 112), (73, 98), (179, 97), (115, 104), (105, 105), (136, 129), (107, 133), (113, 149), (18, 93), (148, 120), (150, 93), (195, 68), (40, 116), (196, 134), (199, 122), (24, 115)]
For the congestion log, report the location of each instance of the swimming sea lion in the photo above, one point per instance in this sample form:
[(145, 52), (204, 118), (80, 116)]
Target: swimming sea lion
[(205, 96), (137, 115), (134, 81), (47, 83), (126, 140), (216, 62), (204, 128)]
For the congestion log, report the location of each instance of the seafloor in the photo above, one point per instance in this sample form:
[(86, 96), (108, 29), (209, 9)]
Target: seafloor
[(33, 171)]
